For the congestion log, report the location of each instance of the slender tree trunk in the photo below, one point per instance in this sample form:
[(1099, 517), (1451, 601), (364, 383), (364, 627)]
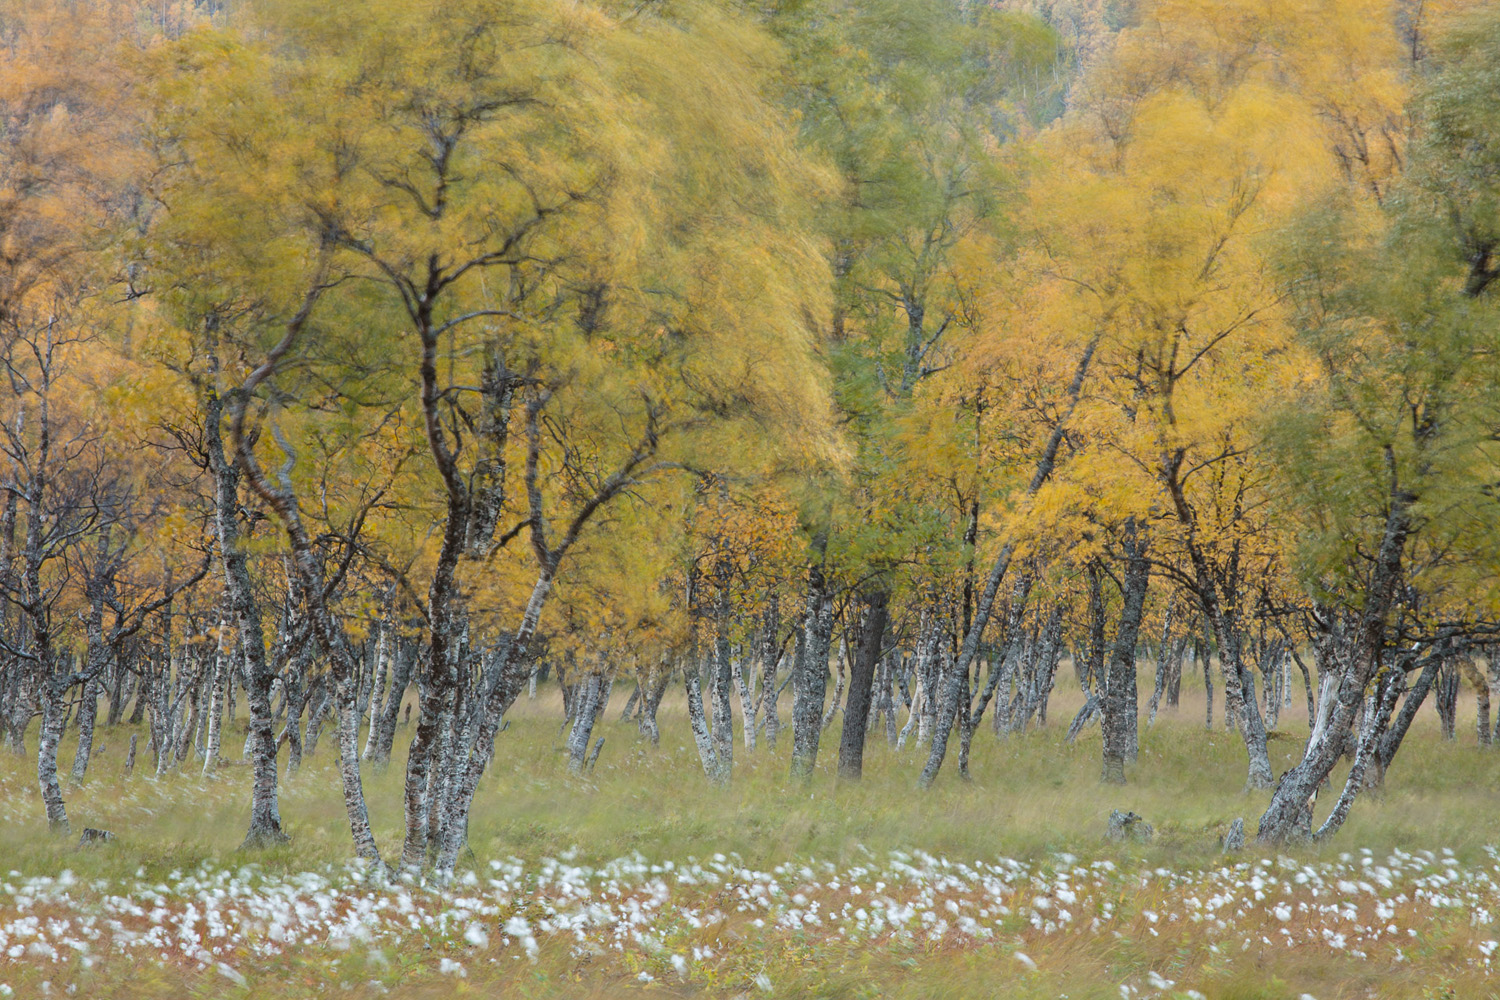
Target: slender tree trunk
[(1174, 674), (97, 658), (1484, 688), (1053, 658), (349, 777), (163, 712), (861, 684), (511, 666), (632, 704), (117, 693), (321, 699), (888, 694), (1163, 665), (838, 687), (916, 711), (378, 751), (1392, 738), (770, 659), (651, 701), (23, 707), (1208, 683), (1297, 786), (1120, 697), (192, 697), (707, 750), (54, 704), (723, 678), (590, 704), (142, 694), (1378, 708), (265, 814), (810, 684), (1093, 675), (295, 698), (748, 704), (1312, 708), (377, 688), (213, 737), (927, 677), (1446, 699), (88, 710)]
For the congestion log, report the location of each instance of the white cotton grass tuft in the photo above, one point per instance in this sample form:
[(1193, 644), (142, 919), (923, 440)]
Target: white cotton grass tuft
[(655, 910)]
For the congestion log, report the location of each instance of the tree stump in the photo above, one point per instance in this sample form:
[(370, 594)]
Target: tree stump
[(1129, 826)]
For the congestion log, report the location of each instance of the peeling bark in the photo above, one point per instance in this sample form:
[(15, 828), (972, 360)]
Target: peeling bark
[(810, 683)]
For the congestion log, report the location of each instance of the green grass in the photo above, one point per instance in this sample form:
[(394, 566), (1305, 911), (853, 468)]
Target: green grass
[(1031, 796)]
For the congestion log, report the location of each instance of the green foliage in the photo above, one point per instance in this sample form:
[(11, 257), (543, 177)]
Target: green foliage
[(1396, 308)]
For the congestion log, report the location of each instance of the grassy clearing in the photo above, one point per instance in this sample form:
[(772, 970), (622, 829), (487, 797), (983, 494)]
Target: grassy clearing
[(1033, 801)]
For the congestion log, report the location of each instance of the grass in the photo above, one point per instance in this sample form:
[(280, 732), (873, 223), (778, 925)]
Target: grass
[(1033, 800)]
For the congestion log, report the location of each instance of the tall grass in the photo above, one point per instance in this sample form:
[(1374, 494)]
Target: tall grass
[(1031, 797), (1030, 794)]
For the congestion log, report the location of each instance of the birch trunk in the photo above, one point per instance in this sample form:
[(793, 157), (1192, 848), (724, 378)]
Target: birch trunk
[(888, 688), (215, 708), (378, 751), (861, 684), (650, 702), (512, 666), (839, 684), (1484, 688), (295, 697), (770, 659), (810, 685), (377, 690), (747, 705), (1445, 699), (1163, 665), (591, 701), (97, 659), (1358, 666), (88, 710), (1393, 737), (319, 698), (1120, 697), (927, 677), (1378, 708), (723, 679), (1208, 684), (23, 706), (1174, 673), (707, 751), (265, 814), (53, 718)]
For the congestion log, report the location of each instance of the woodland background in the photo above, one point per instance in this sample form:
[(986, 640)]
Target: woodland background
[(368, 367)]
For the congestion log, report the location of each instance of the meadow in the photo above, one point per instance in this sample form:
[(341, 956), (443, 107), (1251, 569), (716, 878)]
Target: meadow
[(641, 880)]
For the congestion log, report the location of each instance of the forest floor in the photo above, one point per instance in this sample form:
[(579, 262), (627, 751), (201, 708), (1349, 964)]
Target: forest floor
[(641, 881)]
